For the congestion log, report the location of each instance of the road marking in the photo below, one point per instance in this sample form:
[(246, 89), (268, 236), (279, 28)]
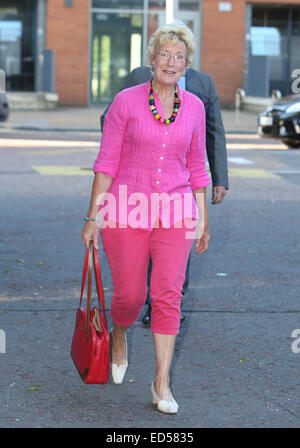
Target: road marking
[(256, 146), (62, 170), (274, 163), (256, 173), (286, 171), (59, 170), (243, 136), (54, 152), (240, 161), (19, 143), (46, 143)]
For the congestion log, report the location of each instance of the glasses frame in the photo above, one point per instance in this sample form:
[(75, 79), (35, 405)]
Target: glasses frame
[(168, 55)]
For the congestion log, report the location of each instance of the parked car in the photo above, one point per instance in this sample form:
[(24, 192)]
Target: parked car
[(4, 108), (282, 120)]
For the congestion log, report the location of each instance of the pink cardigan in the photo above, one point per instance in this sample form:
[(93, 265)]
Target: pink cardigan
[(147, 158)]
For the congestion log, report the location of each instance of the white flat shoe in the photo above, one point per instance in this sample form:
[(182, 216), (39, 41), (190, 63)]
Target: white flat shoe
[(118, 370), (169, 407)]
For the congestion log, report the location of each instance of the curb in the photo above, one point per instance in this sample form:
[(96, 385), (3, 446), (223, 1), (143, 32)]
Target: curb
[(96, 130)]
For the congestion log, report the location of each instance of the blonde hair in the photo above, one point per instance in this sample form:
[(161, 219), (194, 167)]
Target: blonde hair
[(176, 31)]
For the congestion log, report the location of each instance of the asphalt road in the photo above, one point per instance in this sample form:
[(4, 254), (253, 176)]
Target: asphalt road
[(236, 363)]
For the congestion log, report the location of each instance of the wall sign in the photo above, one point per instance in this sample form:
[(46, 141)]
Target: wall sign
[(225, 6)]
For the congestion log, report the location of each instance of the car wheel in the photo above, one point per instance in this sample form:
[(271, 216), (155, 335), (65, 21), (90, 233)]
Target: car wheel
[(291, 144)]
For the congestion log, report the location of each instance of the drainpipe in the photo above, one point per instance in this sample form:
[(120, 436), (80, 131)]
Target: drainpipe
[(40, 45)]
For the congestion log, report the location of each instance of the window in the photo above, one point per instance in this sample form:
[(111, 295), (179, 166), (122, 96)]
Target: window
[(193, 5), (295, 40), (17, 44), (157, 4), (118, 4), (275, 41), (265, 41)]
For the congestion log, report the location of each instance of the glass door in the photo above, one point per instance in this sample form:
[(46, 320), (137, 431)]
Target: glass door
[(295, 43), (116, 50), (274, 48)]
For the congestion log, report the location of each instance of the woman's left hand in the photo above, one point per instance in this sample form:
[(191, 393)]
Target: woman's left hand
[(203, 241)]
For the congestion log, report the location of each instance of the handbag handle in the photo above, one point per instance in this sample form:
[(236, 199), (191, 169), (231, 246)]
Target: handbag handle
[(92, 257)]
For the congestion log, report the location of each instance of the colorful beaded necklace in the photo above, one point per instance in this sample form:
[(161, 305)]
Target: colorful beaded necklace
[(153, 109)]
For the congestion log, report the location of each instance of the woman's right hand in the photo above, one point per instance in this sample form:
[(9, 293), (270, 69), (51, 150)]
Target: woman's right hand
[(90, 231)]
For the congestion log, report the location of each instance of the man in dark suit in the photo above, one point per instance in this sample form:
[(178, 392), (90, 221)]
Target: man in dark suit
[(201, 85)]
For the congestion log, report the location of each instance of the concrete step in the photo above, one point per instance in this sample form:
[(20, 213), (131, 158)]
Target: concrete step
[(256, 103), (32, 100)]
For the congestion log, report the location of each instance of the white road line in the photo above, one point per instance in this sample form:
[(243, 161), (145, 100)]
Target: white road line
[(256, 146), (285, 171), (240, 160), (46, 143), (243, 136)]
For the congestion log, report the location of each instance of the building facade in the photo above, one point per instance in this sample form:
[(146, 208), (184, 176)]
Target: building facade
[(250, 45), (84, 49)]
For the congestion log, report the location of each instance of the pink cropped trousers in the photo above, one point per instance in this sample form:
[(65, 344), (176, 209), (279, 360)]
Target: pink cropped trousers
[(128, 251)]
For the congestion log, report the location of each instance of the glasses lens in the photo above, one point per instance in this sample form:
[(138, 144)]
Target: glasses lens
[(166, 55)]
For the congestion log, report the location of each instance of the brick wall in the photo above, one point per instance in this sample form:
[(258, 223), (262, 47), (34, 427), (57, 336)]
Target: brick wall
[(68, 34), (222, 49)]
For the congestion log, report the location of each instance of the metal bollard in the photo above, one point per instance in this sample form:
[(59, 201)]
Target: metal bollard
[(239, 96), (276, 95)]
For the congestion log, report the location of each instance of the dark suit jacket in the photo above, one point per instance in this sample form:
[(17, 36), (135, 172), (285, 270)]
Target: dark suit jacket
[(201, 85)]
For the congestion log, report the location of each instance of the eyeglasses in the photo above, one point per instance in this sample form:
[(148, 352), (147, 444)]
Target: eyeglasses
[(166, 55)]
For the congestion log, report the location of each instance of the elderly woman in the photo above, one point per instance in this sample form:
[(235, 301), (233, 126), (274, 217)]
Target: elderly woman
[(152, 148)]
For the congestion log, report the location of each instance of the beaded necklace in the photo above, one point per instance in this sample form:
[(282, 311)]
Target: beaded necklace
[(153, 109)]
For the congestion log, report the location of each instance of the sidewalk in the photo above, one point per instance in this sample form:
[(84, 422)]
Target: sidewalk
[(87, 119)]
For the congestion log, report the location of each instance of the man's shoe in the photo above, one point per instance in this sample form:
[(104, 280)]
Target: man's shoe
[(147, 318)]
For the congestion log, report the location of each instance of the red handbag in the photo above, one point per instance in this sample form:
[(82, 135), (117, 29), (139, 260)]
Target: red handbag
[(90, 342)]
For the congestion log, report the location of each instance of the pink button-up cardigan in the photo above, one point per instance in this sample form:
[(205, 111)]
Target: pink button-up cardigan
[(147, 158)]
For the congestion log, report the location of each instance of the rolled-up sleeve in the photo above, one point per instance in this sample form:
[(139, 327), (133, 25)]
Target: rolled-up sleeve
[(109, 154), (199, 177)]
